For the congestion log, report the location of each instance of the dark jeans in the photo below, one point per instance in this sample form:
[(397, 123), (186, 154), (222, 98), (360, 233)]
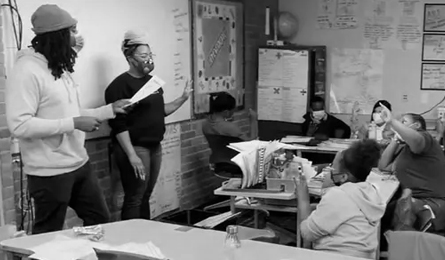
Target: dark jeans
[(138, 192), (79, 190)]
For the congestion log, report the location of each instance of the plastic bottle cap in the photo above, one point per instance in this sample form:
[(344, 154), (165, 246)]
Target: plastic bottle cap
[(232, 229)]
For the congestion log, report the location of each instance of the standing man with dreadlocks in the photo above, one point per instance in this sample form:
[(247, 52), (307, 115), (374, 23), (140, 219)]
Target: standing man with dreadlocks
[(43, 112), (137, 135)]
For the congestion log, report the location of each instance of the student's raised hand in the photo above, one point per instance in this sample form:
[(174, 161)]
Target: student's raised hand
[(301, 186), (187, 89), (120, 106), (386, 113)]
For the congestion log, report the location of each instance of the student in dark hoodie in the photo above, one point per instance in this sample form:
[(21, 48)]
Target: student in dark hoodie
[(346, 219)]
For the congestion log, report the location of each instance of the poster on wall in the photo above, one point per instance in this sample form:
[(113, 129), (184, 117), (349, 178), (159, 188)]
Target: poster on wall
[(337, 14), (218, 51), (357, 76), (392, 24), (167, 192), (433, 47), (283, 77), (433, 76), (434, 18)]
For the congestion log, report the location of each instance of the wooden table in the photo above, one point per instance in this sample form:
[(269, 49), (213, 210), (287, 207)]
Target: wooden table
[(176, 242)]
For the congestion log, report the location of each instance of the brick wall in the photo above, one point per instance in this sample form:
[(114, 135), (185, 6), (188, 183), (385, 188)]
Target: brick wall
[(197, 182)]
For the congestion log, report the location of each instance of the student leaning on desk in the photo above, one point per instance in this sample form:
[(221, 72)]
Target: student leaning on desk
[(318, 123), (346, 219)]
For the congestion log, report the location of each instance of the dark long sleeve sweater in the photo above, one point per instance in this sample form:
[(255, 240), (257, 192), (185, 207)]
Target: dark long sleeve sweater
[(145, 122)]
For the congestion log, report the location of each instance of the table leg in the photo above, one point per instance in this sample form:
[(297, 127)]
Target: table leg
[(298, 230), (232, 204), (255, 217)]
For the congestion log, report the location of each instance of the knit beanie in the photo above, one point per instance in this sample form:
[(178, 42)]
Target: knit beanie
[(50, 18), (132, 37)]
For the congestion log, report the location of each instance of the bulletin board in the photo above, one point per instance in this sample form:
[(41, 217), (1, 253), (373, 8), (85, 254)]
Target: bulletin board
[(217, 52), (101, 60)]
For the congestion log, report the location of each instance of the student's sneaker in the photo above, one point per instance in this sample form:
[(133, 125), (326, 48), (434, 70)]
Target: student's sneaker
[(404, 216)]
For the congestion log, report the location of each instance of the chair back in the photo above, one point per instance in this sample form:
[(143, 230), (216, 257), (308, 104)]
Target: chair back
[(421, 245), (220, 153)]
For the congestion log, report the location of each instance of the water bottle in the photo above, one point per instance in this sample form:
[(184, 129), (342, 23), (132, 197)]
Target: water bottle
[(232, 244), (372, 131)]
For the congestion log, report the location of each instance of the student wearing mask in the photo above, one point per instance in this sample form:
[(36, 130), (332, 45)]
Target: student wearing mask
[(419, 167), (43, 112), (137, 135), (383, 134), (322, 125), (346, 219)]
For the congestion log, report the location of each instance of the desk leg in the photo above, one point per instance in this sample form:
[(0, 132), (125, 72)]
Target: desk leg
[(255, 218), (379, 229), (298, 230), (232, 204)]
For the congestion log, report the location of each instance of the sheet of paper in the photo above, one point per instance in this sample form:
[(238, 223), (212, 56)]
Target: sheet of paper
[(357, 76), (434, 17), (62, 247), (392, 24), (295, 139), (149, 88), (337, 14), (433, 76), (434, 47)]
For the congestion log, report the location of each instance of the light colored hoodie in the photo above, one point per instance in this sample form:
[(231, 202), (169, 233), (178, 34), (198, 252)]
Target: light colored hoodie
[(346, 221), (40, 112)]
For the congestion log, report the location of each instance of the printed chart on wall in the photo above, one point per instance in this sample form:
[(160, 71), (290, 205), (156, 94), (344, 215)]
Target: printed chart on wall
[(337, 14), (433, 47), (167, 193), (434, 18), (282, 84), (433, 76), (393, 24), (357, 75), (218, 52)]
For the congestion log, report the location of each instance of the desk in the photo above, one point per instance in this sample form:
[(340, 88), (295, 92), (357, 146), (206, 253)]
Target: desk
[(192, 244), (331, 146)]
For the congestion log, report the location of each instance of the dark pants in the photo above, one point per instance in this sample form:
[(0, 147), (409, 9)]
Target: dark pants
[(79, 190), (138, 192)]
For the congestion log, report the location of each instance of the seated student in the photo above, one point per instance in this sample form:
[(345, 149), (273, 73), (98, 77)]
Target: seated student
[(347, 217), (219, 125), (383, 133), (320, 124), (420, 169)]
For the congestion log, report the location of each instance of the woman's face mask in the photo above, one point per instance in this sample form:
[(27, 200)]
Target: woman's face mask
[(318, 115), (377, 118)]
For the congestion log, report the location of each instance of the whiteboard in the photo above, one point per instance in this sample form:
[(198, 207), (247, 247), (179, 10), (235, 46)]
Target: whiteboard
[(103, 23)]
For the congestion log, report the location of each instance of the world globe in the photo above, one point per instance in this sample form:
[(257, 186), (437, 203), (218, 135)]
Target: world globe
[(287, 25)]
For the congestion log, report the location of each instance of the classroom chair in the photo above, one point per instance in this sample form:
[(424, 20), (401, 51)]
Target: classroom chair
[(220, 162), (414, 245)]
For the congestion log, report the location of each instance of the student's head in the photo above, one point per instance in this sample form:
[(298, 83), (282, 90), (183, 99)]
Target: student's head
[(355, 163), (377, 109), (414, 121), (137, 51), (318, 108), (55, 31), (223, 104)]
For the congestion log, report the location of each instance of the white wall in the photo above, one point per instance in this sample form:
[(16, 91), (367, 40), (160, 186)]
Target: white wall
[(402, 68)]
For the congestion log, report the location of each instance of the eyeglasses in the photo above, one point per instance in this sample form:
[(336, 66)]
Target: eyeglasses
[(145, 55)]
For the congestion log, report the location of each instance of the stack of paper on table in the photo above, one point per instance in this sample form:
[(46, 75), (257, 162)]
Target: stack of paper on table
[(63, 247), (214, 221), (254, 159), (295, 139)]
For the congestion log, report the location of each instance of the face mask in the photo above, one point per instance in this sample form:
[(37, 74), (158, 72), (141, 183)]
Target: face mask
[(318, 115), (78, 43), (377, 118), (144, 67), (336, 182)]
